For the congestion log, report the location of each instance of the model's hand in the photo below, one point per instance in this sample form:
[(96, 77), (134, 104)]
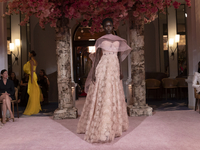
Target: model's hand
[(121, 76), (93, 78)]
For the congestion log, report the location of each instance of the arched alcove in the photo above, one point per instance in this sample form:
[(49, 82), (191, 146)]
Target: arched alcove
[(45, 48), (82, 39)]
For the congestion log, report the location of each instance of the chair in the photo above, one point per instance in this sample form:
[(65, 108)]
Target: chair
[(182, 84), (197, 97), (169, 83), (15, 101), (152, 84)]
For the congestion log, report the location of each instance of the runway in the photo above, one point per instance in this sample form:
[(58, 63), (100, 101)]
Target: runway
[(165, 130)]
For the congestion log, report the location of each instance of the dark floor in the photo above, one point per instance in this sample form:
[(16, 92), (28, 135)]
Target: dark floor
[(47, 109), (168, 105), (157, 105)]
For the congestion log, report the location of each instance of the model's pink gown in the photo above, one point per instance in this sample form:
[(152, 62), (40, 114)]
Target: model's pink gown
[(104, 114)]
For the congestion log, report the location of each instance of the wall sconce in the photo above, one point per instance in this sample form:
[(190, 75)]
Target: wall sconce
[(91, 49), (17, 42), (171, 43), (12, 47)]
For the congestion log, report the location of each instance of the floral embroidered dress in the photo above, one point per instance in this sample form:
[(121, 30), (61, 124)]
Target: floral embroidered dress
[(104, 114)]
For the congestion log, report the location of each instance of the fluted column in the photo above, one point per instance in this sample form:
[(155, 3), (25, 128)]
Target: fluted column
[(66, 108), (3, 38), (138, 106)]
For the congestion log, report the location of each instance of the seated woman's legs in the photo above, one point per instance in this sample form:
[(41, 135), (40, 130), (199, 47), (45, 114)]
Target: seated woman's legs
[(4, 111), (6, 105)]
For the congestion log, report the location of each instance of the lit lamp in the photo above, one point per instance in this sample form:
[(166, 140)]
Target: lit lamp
[(17, 42), (91, 49), (12, 47), (171, 43)]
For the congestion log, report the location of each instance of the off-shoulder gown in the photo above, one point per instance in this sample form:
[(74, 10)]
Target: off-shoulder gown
[(104, 114)]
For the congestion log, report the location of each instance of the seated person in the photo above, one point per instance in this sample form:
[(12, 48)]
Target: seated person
[(23, 90), (7, 92), (16, 84), (44, 83), (14, 79)]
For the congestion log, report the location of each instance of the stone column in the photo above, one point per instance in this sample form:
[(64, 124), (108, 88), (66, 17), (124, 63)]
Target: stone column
[(139, 106), (66, 108), (3, 38), (129, 93)]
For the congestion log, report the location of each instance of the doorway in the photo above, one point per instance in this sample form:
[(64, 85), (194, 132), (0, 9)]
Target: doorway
[(83, 40)]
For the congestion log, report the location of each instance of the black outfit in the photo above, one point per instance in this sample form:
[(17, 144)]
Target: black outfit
[(24, 95), (42, 82), (16, 82), (9, 88)]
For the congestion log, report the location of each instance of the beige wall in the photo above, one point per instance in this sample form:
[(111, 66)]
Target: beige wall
[(15, 34), (43, 43)]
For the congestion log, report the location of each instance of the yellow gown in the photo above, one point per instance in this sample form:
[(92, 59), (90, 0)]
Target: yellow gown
[(33, 106)]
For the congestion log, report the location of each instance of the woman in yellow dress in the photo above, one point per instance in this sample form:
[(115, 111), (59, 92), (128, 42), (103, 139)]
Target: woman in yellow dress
[(33, 106)]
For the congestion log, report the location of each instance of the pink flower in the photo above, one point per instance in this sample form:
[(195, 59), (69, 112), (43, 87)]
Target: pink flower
[(135, 13), (71, 11), (91, 11), (176, 4), (46, 13)]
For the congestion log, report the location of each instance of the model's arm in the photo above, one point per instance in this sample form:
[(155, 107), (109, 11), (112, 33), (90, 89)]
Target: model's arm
[(120, 67), (31, 62), (97, 59), (194, 82)]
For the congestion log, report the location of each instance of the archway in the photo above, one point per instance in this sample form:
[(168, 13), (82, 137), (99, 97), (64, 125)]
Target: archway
[(82, 40)]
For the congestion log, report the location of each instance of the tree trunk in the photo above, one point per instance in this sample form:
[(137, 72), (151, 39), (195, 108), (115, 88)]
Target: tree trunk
[(66, 107), (139, 106)]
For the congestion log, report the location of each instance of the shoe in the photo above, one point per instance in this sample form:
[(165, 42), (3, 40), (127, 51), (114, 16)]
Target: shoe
[(3, 121), (13, 119)]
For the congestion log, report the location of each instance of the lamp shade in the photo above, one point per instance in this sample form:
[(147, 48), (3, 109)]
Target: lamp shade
[(171, 42), (17, 42), (91, 49), (11, 46), (177, 39)]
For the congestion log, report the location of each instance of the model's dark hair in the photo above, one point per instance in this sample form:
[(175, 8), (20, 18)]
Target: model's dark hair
[(33, 53), (2, 71), (107, 19)]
